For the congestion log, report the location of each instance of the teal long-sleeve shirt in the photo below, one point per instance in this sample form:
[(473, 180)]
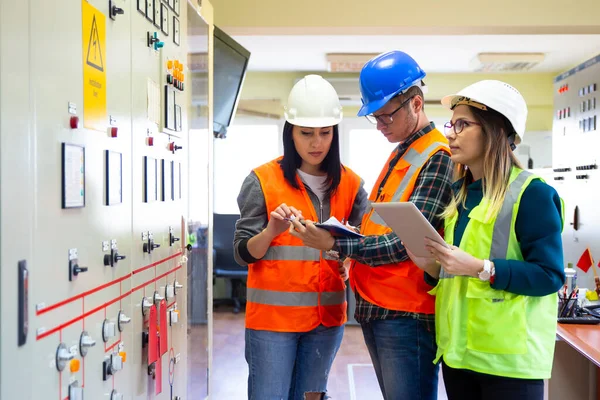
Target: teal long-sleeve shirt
[(538, 228)]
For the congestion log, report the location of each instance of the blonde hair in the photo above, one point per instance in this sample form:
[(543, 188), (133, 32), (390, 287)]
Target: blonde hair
[(498, 137)]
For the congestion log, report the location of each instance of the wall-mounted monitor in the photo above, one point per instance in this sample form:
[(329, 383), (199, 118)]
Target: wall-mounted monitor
[(230, 64)]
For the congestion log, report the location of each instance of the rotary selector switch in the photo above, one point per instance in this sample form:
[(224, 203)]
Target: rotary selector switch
[(85, 342)]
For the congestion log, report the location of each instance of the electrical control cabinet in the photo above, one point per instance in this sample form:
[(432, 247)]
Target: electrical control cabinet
[(94, 171), (575, 174)]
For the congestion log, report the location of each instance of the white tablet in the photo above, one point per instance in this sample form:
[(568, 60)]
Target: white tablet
[(411, 226)]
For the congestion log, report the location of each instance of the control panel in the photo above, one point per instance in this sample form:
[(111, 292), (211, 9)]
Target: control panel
[(94, 279), (575, 175)]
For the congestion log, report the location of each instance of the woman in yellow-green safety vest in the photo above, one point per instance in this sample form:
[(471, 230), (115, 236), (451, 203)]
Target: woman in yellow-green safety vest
[(497, 282)]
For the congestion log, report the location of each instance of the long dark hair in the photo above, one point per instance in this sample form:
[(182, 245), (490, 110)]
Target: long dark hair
[(291, 160)]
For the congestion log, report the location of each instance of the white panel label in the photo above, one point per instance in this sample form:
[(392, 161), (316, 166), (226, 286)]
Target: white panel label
[(74, 176)]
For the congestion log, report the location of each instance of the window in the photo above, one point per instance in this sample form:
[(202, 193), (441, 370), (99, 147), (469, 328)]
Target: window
[(246, 147), (368, 150), (365, 150)]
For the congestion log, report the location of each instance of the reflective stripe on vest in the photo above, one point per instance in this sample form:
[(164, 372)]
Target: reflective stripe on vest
[(502, 230), (301, 299), (503, 221), (292, 253), (416, 161)]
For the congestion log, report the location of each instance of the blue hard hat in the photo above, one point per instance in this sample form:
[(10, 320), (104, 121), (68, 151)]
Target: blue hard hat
[(386, 76)]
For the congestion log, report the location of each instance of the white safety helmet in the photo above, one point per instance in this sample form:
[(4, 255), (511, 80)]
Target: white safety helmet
[(313, 103), (497, 95)]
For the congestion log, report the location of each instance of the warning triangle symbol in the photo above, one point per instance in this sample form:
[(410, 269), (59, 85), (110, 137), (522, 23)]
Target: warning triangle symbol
[(94, 52)]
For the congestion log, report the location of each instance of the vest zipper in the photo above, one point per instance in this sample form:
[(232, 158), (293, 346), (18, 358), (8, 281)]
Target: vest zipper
[(321, 211)]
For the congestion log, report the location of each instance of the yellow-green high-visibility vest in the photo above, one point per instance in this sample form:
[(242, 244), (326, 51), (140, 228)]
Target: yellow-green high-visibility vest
[(487, 330)]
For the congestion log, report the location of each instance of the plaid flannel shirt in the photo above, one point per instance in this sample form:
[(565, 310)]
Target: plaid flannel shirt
[(431, 195)]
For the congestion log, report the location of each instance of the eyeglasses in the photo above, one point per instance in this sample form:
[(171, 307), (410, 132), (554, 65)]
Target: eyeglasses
[(387, 119), (458, 126)]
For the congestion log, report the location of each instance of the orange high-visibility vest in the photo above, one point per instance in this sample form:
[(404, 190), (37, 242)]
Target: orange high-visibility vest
[(399, 286), (294, 288)]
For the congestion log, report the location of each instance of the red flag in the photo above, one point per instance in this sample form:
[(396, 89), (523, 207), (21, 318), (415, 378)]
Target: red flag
[(585, 261)]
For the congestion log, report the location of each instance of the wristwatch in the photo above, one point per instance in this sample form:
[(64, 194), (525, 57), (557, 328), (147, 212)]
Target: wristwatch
[(487, 272)]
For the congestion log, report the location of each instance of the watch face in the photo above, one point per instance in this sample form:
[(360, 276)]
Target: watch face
[(484, 275)]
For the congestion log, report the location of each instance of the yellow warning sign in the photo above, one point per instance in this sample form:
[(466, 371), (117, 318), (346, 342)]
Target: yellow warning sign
[(94, 67)]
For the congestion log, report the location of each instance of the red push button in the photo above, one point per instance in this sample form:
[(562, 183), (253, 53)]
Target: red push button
[(150, 141), (113, 130), (74, 122)]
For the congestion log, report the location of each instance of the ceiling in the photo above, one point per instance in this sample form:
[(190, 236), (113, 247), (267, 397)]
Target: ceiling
[(435, 54)]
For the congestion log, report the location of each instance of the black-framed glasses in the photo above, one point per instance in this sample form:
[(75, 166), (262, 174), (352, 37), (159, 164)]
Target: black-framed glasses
[(387, 119), (458, 126)]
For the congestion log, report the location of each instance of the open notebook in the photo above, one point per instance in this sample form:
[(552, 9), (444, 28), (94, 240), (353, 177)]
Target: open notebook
[(336, 228)]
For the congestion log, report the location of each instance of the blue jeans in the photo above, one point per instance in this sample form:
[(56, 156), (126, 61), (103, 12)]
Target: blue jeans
[(402, 351), (285, 365)]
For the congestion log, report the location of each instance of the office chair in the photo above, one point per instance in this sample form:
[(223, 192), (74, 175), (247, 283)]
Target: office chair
[(224, 263)]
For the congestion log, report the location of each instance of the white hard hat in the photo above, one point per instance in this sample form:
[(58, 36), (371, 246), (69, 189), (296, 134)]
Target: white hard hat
[(314, 103), (497, 95)]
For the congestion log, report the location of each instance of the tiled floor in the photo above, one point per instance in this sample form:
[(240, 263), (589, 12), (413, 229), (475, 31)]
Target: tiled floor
[(197, 362), (352, 376)]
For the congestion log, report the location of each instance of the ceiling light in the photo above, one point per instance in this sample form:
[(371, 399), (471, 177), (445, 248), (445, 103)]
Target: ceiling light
[(346, 62), (506, 62)]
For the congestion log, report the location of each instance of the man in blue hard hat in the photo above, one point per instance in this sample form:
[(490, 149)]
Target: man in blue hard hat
[(393, 305)]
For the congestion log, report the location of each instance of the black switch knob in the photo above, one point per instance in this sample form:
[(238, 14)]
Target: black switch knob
[(152, 370), (113, 11), (150, 245), (189, 247), (113, 258), (77, 269)]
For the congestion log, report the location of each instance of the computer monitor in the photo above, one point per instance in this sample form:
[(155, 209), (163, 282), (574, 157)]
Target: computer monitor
[(230, 64)]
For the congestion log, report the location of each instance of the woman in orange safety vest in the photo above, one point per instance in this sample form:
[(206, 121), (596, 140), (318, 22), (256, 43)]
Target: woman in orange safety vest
[(296, 299)]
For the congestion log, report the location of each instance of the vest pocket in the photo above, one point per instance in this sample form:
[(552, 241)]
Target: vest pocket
[(497, 322)]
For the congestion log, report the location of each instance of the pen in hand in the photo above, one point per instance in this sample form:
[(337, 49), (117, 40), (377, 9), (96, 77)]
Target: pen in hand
[(293, 218)]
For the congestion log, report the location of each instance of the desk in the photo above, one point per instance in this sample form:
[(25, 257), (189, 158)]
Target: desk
[(576, 369), (583, 338)]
